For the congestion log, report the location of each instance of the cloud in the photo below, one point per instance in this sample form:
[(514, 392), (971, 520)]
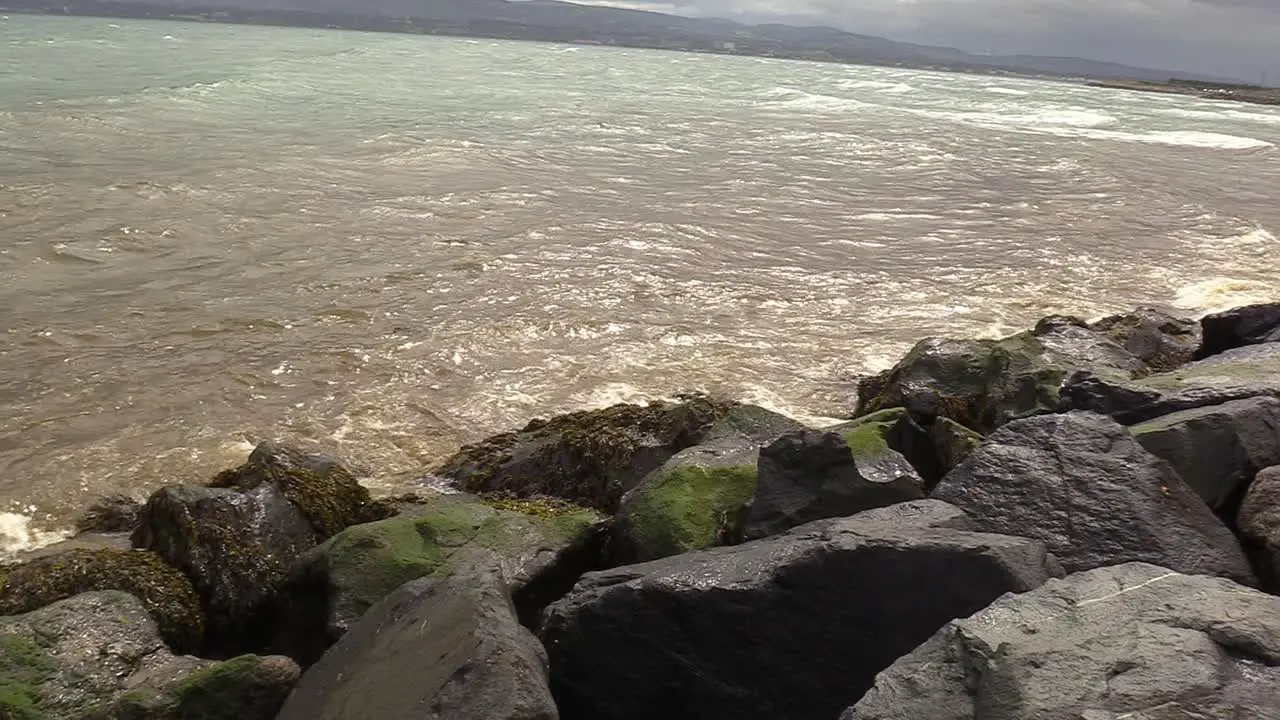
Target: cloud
[(1224, 37)]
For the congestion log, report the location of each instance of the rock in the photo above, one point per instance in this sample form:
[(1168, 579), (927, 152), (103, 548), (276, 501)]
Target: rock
[(592, 458), (795, 626), (1082, 484), (952, 443), (1238, 374), (543, 547), (1250, 325), (982, 384), (810, 475), (1134, 642), (1217, 450), (164, 592), (696, 500), (446, 647), (94, 654), (249, 687), (1259, 524), (1161, 341), (236, 541), (874, 441), (110, 514)]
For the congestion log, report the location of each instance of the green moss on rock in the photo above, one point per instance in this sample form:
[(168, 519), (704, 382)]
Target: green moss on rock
[(248, 687), (685, 508), (23, 669), (166, 593), (868, 436)]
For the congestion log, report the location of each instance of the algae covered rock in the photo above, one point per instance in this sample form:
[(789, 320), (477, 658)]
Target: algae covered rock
[(874, 440), (983, 384), (696, 500), (592, 458), (110, 514), (166, 593), (236, 541), (1161, 341), (248, 687), (542, 547)]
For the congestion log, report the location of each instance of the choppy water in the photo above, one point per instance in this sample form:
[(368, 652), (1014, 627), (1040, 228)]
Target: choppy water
[(382, 244)]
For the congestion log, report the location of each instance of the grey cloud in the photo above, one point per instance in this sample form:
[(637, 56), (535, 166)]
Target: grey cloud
[(1223, 37)]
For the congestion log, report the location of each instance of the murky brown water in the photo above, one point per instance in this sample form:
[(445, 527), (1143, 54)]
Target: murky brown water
[(380, 245)]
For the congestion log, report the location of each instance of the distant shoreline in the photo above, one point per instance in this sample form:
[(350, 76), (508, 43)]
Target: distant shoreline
[(1254, 94)]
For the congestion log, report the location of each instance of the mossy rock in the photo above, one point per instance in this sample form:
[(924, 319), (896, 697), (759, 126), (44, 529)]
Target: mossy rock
[(592, 458), (696, 500), (868, 436), (983, 384), (24, 666), (540, 542), (166, 593), (326, 492)]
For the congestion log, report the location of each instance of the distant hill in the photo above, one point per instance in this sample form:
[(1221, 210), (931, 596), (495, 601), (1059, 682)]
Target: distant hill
[(557, 21)]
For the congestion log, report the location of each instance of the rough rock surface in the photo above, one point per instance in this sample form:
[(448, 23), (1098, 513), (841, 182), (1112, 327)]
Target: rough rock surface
[(110, 514), (92, 655), (1249, 325), (1084, 486), (1132, 642), (1245, 372), (165, 593), (982, 384), (1259, 524), (810, 475), (593, 458), (1161, 341), (542, 548), (248, 687), (1218, 449), (795, 626), (447, 648), (874, 440)]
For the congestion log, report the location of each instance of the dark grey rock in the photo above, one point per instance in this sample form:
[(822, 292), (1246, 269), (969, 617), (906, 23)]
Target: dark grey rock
[(1217, 449), (1249, 325), (1246, 372), (446, 648), (794, 626), (809, 475), (1161, 341), (1082, 484), (1259, 525), (1132, 642), (110, 514)]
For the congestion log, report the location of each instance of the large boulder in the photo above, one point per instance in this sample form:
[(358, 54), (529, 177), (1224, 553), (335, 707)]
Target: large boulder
[(100, 655), (1259, 526), (1245, 372), (1218, 449), (1161, 341), (810, 475), (542, 546), (593, 458), (1083, 485), (1249, 325), (794, 626), (166, 593), (446, 647), (983, 384), (1132, 642), (236, 541)]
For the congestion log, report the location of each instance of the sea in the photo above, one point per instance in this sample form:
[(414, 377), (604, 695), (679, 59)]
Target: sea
[(382, 246)]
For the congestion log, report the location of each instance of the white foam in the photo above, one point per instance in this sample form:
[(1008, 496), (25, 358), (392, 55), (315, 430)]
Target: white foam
[(878, 85), (1006, 91), (17, 534), (1223, 293), (1195, 138)]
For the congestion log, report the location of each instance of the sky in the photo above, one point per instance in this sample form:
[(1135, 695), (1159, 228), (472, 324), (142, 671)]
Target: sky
[(1233, 38)]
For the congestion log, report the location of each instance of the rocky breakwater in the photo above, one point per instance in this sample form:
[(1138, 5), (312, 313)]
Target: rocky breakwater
[(1078, 521)]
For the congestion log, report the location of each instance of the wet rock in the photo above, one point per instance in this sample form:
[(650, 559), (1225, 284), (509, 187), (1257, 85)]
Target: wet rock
[(1238, 374), (983, 384), (1088, 489), (793, 626), (696, 500), (810, 475), (166, 593), (444, 647), (952, 443), (542, 546), (110, 514), (249, 687), (1217, 450), (1259, 523), (236, 541), (90, 656), (593, 458), (1161, 341), (1134, 642), (1242, 326), (874, 441)]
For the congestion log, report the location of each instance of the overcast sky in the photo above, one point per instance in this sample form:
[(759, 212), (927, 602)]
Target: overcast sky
[(1238, 38)]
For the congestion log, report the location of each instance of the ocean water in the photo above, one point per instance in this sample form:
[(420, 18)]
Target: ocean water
[(385, 245)]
